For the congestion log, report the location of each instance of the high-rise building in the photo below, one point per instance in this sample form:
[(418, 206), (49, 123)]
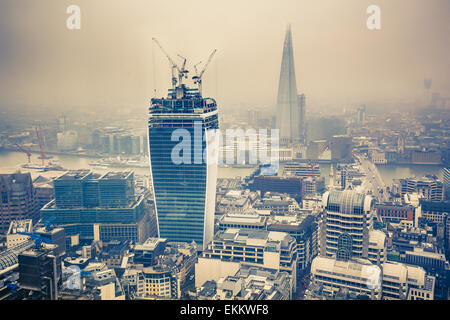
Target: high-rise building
[(290, 105), (446, 178), (40, 272), (184, 174), (98, 207), (347, 224), (17, 199)]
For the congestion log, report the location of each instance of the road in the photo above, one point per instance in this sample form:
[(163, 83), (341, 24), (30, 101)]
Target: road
[(373, 181)]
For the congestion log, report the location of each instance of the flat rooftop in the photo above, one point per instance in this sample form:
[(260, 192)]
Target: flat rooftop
[(116, 175), (149, 244), (75, 175)]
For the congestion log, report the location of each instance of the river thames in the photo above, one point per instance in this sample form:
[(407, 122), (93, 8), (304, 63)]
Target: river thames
[(11, 161)]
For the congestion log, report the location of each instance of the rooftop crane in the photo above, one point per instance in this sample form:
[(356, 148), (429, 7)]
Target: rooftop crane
[(198, 77), (48, 223), (37, 238), (27, 152), (181, 72), (40, 146)]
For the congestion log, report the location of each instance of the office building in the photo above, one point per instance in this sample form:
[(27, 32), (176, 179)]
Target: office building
[(341, 148), (429, 187), (184, 188), (300, 169), (303, 229), (405, 282), (15, 235), (259, 248), (166, 276), (396, 212), (249, 283), (98, 207), (290, 185), (247, 220), (147, 253), (17, 199), (446, 180), (347, 222), (40, 271), (359, 277)]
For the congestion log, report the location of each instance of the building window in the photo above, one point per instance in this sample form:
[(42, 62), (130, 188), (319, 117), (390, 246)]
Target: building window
[(4, 197)]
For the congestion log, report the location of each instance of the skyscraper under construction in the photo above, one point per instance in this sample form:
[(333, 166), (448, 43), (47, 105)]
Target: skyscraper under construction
[(182, 161)]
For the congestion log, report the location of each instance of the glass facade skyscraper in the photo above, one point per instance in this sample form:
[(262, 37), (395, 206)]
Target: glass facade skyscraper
[(290, 106), (183, 162)]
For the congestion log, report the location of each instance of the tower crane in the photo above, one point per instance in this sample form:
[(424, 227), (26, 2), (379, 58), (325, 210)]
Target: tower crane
[(181, 72), (37, 238), (198, 76), (27, 152), (40, 146)]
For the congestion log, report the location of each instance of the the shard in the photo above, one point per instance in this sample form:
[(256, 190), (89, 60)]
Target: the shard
[(290, 106)]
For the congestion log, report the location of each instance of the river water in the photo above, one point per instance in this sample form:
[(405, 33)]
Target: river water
[(10, 161)]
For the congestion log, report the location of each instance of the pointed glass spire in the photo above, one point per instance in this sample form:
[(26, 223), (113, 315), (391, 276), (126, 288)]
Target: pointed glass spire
[(288, 106)]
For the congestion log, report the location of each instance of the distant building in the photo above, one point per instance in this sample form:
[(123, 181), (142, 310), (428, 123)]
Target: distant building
[(289, 185), (17, 199), (316, 148), (98, 207), (277, 204), (395, 212), (429, 187), (299, 169), (44, 190), (341, 148), (234, 201), (290, 106), (14, 236), (446, 176), (377, 156), (313, 186)]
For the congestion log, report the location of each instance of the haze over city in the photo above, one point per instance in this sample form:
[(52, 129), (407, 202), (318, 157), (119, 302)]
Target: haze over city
[(111, 61), (209, 152)]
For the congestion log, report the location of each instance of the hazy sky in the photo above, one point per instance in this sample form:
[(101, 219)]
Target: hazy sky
[(112, 62)]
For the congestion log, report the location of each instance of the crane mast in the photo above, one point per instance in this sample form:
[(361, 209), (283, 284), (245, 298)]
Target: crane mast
[(198, 77), (40, 145), (174, 66), (27, 152), (182, 72)]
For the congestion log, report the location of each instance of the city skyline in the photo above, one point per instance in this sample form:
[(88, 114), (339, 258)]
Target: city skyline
[(106, 65), (174, 151)]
